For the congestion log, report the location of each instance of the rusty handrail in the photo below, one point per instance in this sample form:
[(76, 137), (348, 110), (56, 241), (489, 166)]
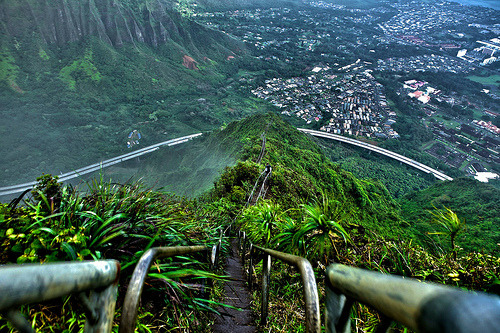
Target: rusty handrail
[(423, 307), (33, 283), (134, 290), (311, 300)]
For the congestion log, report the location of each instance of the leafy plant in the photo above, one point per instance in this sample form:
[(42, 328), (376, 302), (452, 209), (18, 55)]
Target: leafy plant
[(261, 220), (322, 223), (448, 219), (47, 192)]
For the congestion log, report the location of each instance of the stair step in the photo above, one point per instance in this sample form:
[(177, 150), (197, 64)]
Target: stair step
[(236, 329)]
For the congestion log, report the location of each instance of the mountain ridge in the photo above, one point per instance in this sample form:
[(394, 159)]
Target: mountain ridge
[(113, 22)]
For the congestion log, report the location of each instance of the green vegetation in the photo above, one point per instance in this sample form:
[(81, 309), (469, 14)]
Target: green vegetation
[(301, 172), (88, 92), (311, 208), (451, 224), (96, 95), (8, 68), (447, 121), (119, 222), (43, 54), (475, 203), (399, 179), (325, 226), (493, 80), (82, 69)]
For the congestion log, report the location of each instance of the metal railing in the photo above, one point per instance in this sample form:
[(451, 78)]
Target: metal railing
[(423, 307), (135, 287), (310, 291), (35, 283)]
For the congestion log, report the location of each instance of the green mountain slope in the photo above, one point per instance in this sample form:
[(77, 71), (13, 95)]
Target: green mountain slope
[(476, 203), (301, 173), (362, 230), (399, 178), (77, 77)]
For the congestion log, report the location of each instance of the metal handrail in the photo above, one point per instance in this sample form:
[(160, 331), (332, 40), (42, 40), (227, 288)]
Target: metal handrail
[(134, 290), (311, 300), (34, 283), (423, 307)]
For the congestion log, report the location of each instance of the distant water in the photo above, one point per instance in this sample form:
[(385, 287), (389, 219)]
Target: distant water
[(495, 4)]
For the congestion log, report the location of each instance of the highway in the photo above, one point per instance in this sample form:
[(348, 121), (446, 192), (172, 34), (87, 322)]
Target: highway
[(422, 167), (100, 165)]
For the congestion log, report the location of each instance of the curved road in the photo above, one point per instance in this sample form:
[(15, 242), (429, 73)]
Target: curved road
[(422, 167), (103, 164)]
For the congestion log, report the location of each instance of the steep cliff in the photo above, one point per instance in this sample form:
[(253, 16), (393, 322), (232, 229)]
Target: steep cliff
[(38, 36), (152, 22)]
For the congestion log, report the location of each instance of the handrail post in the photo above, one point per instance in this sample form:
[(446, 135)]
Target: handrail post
[(219, 244), (131, 303), (337, 311), (313, 321), (103, 302), (241, 236), (91, 313), (214, 256), (250, 267), (266, 270), (244, 243), (19, 321)]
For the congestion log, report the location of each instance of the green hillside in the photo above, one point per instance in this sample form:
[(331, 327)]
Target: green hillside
[(73, 87), (476, 203), (310, 207), (301, 172), (399, 178)]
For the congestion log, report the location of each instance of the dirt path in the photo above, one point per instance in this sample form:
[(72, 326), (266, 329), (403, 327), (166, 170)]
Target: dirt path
[(238, 295)]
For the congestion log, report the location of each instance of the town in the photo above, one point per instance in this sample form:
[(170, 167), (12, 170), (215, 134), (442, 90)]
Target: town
[(424, 63), (353, 104), (347, 66)]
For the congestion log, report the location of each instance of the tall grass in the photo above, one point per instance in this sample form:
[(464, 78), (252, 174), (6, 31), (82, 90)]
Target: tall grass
[(112, 221)]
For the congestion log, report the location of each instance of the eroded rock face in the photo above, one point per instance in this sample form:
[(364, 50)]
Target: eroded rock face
[(189, 63), (113, 21)]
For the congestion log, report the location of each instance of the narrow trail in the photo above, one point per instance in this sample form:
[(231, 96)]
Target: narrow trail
[(237, 295)]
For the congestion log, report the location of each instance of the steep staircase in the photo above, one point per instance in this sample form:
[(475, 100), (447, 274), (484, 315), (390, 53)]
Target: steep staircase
[(418, 306), (237, 295)]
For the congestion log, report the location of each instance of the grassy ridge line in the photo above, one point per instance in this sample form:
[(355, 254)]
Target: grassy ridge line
[(301, 172)]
